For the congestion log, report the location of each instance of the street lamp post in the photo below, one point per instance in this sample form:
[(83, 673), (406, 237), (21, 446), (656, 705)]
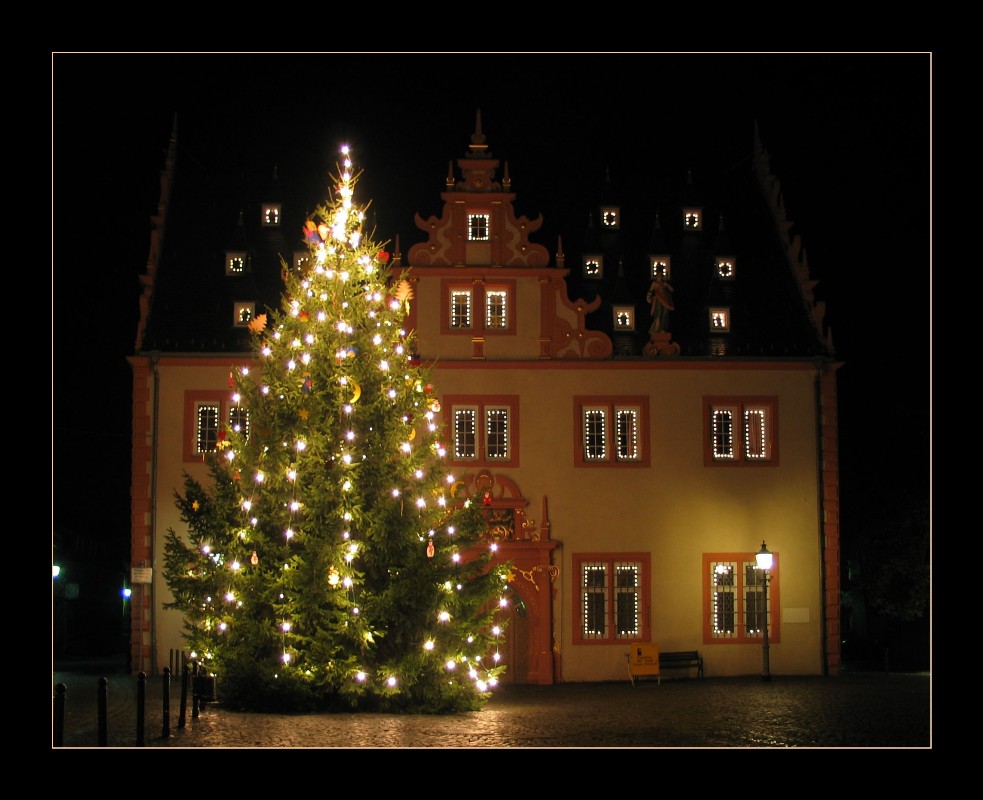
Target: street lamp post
[(764, 561)]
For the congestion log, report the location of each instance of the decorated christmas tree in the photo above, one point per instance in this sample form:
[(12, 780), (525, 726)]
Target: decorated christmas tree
[(329, 563)]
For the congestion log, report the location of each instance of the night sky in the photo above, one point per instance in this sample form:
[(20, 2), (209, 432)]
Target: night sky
[(849, 137)]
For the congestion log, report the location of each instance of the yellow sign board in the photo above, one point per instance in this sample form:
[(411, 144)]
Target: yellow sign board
[(643, 659)]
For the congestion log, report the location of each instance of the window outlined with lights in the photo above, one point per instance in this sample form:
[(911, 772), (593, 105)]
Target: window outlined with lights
[(208, 415), (236, 262), (740, 431), (479, 227), (660, 267), (611, 431), (483, 429), (270, 215), (302, 261), (611, 594), (593, 266), (473, 307), (611, 218), (734, 600), (624, 318), (719, 320), (243, 313), (725, 268), (693, 219)]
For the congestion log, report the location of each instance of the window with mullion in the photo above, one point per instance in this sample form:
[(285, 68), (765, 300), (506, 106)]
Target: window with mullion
[(741, 430), (460, 308), (735, 606), (484, 429), (612, 597), (612, 431)]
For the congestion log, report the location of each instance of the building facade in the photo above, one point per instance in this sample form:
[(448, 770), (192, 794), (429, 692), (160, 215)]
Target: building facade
[(637, 417)]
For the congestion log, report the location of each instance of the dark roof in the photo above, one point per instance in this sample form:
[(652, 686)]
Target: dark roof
[(771, 306)]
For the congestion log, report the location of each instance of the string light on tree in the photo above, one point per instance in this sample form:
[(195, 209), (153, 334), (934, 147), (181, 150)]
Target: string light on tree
[(357, 572)]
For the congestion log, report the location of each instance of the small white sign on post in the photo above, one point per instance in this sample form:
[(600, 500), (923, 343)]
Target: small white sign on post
[(142, 575)]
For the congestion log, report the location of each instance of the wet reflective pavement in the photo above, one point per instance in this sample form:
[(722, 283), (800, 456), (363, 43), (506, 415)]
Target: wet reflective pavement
[(854, 710)]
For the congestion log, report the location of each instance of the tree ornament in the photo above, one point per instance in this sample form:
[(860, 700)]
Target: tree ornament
[(254, 558), (487, 500), (307, 386), (196, 505), (333, 577), (430, 549), (257, 323)]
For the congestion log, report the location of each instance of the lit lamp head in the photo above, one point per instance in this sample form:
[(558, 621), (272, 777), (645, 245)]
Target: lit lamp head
[(763, 557)]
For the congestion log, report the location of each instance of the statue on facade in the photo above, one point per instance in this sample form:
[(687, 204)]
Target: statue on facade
[(660, 302)]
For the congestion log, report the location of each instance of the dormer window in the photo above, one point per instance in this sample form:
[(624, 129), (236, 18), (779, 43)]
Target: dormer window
[(242, 314), (594, 266), (693, 219), (302, 261), (624, 318), (478, 227), (271, 215), (660, 267), (719, 320), (725, 269), (610, 218), (235, 262)]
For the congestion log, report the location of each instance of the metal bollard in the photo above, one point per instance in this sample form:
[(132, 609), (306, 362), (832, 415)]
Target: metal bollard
[(194, 692), (167, 703), (103, 692), (59, 732), (185, 678), (141, 705)]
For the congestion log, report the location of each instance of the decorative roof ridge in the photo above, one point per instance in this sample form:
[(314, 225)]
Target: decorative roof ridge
[(158, 224), (795, 253)]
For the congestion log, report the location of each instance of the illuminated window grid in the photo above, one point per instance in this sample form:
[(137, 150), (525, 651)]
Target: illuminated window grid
[(593, 266), (624, 318), (725, 268), (692, 219), (239, 420), (723, 606), (595, 434), (496, 309), (243, 314), (737, 600), (460, 300), (755, 432), (610, 217), (627, 420), (206, 427), (660, 267), (235, 263), (756, 438), (271, 214), (465, 438), (626, 427), (719, 320), (302, 261), (599, 596), (594, 600), (497, 433), (722, 433), (478, 227)]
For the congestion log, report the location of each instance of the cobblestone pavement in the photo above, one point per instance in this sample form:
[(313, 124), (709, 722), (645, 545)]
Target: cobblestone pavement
[(854, 710)]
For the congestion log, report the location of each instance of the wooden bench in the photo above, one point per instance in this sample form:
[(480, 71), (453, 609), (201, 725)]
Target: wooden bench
[(682, 659)]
